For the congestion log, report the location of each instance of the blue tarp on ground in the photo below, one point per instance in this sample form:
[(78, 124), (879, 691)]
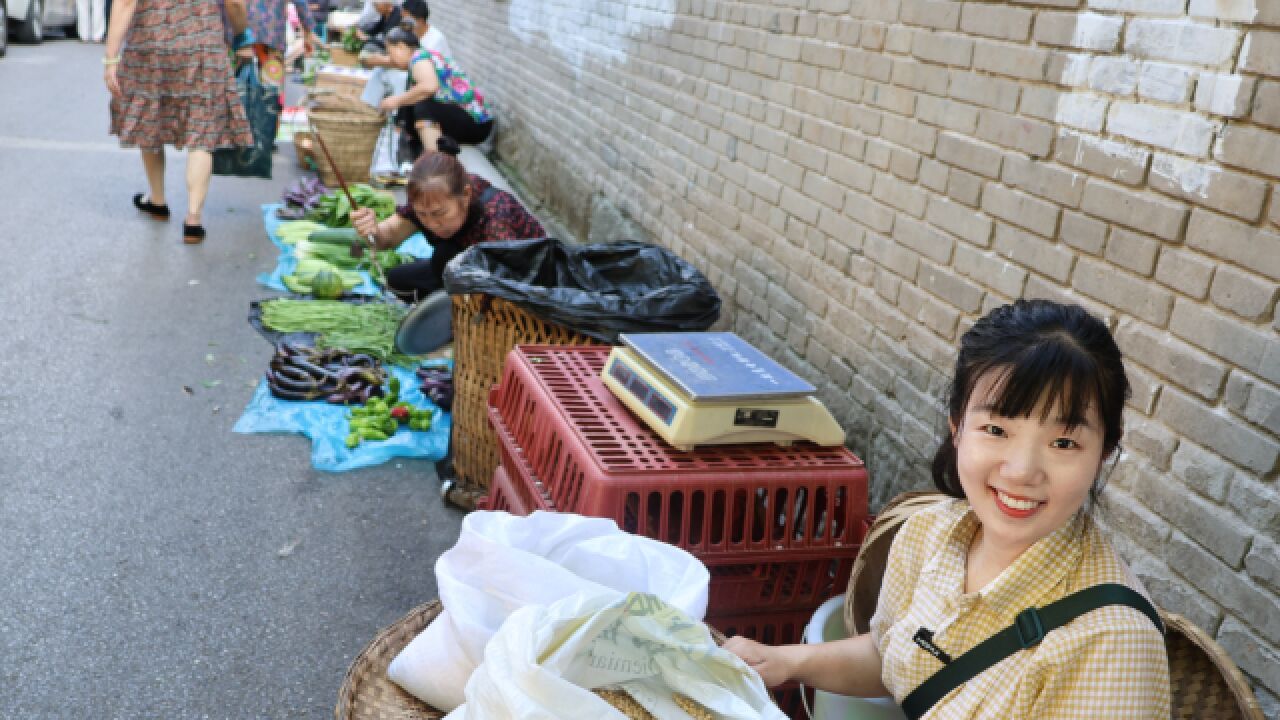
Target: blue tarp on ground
[(416, 246), (326, 425)]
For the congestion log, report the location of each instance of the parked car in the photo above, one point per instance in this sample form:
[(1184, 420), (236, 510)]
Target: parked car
[(4, 29), (28, 19)]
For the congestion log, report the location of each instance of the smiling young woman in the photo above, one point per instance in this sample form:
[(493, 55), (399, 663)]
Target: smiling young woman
[(1035, 410)]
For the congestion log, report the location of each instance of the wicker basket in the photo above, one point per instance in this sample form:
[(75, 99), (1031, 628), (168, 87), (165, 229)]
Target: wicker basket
[(351, 86), (305, 148), (484, 330), (368, 694), (1203, 680), (338, 55), (350, 137)]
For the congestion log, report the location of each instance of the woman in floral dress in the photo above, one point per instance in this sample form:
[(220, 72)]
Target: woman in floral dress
[(172, 85)]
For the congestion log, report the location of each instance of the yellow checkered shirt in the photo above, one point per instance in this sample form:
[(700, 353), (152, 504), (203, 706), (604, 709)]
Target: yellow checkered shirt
[(1109, 663)]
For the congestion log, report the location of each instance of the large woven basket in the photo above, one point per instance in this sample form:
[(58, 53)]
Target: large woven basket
[(350, 135), (368, 694), (1203, 680), (341, 84), (485, 329), (338, 55)]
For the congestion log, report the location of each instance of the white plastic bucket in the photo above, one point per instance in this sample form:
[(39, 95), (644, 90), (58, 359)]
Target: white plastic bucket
[(828, 624)]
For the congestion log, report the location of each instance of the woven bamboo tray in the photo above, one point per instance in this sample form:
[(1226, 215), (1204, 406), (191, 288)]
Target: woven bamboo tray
[(485, 329), (368, 694), (1203, 680)]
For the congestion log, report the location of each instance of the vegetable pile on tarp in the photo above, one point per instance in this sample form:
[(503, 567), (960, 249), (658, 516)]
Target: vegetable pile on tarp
[(328, 427), (335, 375), (301, 197), (360, 328), (288, 235), (334, 209)]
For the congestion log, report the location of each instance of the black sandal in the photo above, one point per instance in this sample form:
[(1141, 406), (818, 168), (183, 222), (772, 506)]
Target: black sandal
[(192, 234), (159, 212)]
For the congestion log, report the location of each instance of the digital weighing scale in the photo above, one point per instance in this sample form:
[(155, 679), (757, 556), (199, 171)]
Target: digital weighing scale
[(713, 388)]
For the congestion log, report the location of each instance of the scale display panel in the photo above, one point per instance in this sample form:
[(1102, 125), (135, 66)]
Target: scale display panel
[(716, 366), (713, 388)]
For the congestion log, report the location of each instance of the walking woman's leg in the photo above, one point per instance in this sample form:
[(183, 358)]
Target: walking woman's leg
[(153, 163), (199, 170)]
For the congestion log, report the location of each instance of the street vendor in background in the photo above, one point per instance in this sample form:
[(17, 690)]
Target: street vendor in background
[(387, 80), (440, 99), (378, 18), (453, 210), (415, 14)]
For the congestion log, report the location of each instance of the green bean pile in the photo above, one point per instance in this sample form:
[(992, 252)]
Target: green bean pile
[(358, 328)]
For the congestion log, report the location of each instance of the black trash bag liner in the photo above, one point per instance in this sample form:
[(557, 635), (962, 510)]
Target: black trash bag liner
[(598, 290)]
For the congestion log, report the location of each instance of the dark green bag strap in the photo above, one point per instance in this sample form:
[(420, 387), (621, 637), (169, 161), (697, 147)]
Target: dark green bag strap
[(1027, 630)]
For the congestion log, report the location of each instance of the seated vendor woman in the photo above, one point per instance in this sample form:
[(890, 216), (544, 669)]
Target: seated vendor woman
[(440, 100), (454, 210), (1035, 409)]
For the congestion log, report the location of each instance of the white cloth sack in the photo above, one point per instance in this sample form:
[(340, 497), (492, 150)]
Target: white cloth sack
[(502, 563), (544, 661)]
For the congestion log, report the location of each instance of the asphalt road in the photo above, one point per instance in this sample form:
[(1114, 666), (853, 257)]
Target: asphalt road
[(152, 563)]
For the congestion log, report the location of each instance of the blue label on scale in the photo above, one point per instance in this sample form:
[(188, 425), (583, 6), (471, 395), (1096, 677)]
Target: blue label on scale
[(716, 365)]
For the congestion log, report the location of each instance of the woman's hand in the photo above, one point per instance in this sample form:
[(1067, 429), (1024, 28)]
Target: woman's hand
[(390, 104), (112, 80), (773, 663), (365, 221)]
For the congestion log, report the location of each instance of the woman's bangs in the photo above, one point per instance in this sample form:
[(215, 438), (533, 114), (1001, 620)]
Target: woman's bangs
[(1055, 378)]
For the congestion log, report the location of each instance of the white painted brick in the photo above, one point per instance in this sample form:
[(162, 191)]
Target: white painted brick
[(1087, 31), (959, 220), (1117, 161), (1221, 335), (1261, 53), (1086, 111), (1132, 251), (1175, 130), (1245, 294), (1182, 41), (1070, 69), (1144, 7), (1187, 272), (1118, 289), (1115, 75), (1164, 82), (991, 270), (969, 154), (935, 14), (943, 48), (1209, 185), (1226, 95), (1014, 60), (1242, 11)]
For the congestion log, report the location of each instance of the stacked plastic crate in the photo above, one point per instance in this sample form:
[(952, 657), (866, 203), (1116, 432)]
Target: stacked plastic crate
[(778, 527)]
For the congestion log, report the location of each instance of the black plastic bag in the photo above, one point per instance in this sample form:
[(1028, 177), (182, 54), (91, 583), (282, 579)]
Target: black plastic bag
[(599, 290), (263, 110)]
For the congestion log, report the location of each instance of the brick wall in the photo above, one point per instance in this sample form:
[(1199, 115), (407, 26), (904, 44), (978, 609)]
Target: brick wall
[(861, 179)]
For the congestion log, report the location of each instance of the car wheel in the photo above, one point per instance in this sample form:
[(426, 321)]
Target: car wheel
[(31, 30)]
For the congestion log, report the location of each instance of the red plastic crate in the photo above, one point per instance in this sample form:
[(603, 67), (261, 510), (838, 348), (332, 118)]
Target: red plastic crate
[(802, 584), (727, 502), (503, 495)]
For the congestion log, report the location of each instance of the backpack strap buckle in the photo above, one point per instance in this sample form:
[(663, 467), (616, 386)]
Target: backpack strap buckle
[(1030, 628)]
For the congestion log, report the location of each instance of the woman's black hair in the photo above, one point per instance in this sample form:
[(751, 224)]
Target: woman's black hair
[(402, 36), (1047, 355), (416, 8)]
